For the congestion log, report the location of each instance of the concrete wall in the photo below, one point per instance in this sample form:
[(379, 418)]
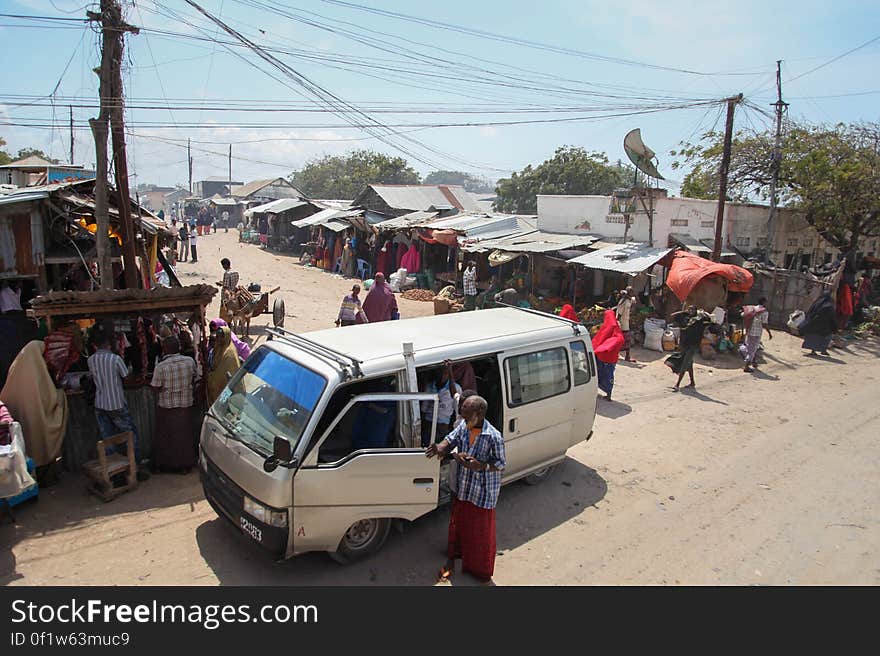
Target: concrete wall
[(745, 225)]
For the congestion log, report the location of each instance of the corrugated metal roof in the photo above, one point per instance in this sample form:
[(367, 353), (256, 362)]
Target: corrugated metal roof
[(406, 220), (224, 202), (689, 242), (724, 253), (423, 197), (276, 206), (631, 258), (473, 225), (253, 187), (531, 241), (23, 198), (323, 217)]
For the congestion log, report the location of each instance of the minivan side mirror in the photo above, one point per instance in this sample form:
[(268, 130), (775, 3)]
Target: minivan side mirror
[(281, 455)]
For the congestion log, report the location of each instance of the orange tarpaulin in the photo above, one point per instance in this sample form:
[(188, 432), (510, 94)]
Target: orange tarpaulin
[(688, 270)]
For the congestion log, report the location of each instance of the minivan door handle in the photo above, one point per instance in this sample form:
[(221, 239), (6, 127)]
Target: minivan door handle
[(511, 425), (423, 481)]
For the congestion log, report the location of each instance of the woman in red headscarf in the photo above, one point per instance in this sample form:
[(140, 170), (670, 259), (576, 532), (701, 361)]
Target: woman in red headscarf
[(606, 345), (567, 312)]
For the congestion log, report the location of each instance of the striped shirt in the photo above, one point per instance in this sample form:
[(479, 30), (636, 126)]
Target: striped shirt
[(108, 370), (173, 378), (480, 488), (469, 280), (351, 307), (230, 280)]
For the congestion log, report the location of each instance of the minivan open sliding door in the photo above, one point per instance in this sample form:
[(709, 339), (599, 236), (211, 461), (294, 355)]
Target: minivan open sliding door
[(358, 470)]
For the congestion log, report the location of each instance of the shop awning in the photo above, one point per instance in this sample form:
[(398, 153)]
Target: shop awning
[(530, 241), (631, 258), (406, 220), (323, 217)]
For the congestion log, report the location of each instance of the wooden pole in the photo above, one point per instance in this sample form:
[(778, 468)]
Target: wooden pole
[(99, 130), (722, 174), (70, 107), (102, 219), (112, 20)]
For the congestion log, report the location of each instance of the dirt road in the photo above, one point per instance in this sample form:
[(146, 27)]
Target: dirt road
[(768, 478)]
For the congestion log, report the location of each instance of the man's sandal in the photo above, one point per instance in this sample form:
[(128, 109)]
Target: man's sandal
[(444, 575)]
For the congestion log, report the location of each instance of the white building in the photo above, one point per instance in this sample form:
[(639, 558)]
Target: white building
[(692, 220)]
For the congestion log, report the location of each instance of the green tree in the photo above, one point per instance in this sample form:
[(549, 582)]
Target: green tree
[(345, 176), (5, 158), (830, 173), (571, 170), (469, 181), (27, 152)]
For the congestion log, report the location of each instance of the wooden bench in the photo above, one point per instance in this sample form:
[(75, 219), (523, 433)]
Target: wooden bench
[(102, 470)]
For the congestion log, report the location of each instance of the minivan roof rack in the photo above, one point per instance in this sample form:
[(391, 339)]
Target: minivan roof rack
[(348, 363), (574, 326)]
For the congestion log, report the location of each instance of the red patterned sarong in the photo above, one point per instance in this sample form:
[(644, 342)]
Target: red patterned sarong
[(472, 538)]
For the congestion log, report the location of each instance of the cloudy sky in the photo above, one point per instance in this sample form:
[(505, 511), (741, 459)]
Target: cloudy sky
[(526, 77)]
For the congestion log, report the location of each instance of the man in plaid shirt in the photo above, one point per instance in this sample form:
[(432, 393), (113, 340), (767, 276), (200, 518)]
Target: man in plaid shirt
[(174, 444), (479, 451), (469, 281)]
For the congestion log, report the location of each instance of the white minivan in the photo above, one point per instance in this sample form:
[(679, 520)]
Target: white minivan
[(316, 442)]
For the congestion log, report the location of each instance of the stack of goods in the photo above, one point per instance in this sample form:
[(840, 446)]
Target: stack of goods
[(418, 295), (592, 317)]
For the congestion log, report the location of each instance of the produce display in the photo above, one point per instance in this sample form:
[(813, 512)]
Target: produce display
[(418, 295)]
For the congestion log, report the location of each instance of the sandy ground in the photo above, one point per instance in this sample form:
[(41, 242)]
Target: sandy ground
[(768, 478)]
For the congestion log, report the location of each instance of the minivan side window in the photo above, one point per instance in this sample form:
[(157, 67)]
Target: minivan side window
[(581, 363), (535, 376)]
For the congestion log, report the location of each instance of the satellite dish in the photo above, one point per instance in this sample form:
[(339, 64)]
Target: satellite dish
[(640, 155)]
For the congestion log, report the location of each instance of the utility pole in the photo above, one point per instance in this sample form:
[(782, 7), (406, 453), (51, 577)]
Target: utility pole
[(777, 160), (722, 174), (110, 90), (70, 107), (230, 170), (189, 159)]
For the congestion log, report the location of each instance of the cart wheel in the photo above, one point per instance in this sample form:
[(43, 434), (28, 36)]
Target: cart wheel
[(278, 313)]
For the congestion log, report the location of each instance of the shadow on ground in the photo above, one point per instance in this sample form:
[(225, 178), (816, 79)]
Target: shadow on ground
[(412, 555), (68, 505)]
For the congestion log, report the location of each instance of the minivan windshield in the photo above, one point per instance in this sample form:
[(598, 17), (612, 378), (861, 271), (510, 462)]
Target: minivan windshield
[(270, 395)]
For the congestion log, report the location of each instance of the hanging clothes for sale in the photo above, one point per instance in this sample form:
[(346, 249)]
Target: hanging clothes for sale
[(412, 260)]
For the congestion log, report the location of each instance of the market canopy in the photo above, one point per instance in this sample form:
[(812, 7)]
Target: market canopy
[(631, 258), (276, 206), (687, 270)]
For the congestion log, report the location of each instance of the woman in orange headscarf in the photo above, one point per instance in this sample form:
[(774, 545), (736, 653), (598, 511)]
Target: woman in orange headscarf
[(606, 345)]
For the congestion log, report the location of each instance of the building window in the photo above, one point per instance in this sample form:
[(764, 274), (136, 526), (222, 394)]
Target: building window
[(793, 242), (743, 242), (808, 243), (535, 376), (615, 218), (679, 222), (707, 224)]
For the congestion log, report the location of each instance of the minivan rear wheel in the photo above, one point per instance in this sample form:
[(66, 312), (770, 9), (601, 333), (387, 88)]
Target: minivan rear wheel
[(363, 538), (539, 476)]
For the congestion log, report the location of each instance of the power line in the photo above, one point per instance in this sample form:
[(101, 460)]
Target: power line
[(519, 41), (834, 59)]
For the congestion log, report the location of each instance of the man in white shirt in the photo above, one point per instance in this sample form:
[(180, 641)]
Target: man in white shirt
[(225, 217), (623, 310), (192, 246)]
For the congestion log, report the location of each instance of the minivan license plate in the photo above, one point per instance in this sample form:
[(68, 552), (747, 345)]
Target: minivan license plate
[(250, 529)]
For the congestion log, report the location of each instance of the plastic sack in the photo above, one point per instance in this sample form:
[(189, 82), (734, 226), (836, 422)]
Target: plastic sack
[(654, 338), (795, 321)]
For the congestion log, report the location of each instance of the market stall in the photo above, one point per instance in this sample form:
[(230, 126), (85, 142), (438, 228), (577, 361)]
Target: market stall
[(137, 317)]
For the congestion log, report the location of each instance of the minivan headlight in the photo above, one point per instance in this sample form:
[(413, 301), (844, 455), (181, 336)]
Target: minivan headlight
[(266, 515)]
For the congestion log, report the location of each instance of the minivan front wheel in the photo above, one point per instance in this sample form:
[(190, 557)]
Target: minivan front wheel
[(363, 538)]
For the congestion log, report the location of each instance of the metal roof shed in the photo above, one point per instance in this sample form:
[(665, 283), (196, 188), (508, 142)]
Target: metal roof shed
[(631, 258)]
